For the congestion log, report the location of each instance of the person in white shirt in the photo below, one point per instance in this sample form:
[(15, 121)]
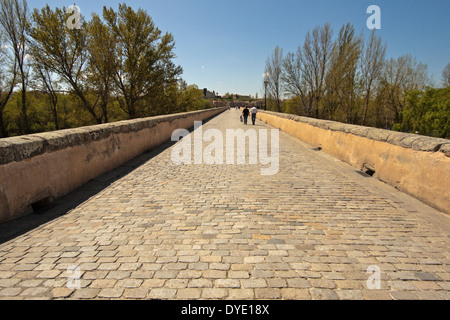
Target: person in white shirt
[(254, 111)]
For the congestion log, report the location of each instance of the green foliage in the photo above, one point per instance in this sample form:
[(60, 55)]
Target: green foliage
[(144, 66), (427, 113), (292, 106), (350, 80), (191, 99), (118, 66)]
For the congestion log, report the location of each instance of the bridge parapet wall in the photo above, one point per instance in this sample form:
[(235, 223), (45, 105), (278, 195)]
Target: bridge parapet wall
[(38, 168), (415, 164)]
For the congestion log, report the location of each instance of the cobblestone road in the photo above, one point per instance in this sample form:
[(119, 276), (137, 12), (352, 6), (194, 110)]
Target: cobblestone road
[(166, 231)]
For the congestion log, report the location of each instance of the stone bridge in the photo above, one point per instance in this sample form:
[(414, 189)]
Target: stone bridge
[(110, 211)]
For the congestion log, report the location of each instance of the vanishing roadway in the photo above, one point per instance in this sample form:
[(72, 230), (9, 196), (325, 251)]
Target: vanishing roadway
[(152, 229)]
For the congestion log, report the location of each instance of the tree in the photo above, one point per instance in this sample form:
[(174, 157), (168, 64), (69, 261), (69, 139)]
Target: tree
[(427, 112), (294, 83), (341, 77), (372, 60), (8, 75), (144, 65), (14, 20), (102, 62), (191, 98), (446, 75), (304, 72), (400, 76), (44, 80), (273, 71), (316, 54), (65, 52)]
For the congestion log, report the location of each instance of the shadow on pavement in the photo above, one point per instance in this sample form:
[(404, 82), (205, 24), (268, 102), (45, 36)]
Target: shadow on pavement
[(65, 204)]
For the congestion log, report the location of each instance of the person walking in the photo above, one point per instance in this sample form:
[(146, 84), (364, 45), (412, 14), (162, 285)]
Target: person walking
[(245, 114), (254, 111)]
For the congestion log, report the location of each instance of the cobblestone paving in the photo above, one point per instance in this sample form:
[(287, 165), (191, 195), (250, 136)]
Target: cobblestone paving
[(167, 231)]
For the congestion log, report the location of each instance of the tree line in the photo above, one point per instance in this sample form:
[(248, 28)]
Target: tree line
[(348, 78), (115, 66)]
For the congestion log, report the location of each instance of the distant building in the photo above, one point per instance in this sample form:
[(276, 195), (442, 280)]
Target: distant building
[(208, 94), (239, 96)]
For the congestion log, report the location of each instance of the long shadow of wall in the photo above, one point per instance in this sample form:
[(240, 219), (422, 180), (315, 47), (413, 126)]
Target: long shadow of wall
[(48, 212)]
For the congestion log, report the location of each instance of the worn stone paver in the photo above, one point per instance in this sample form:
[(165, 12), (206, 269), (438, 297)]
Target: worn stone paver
[(167, 231)]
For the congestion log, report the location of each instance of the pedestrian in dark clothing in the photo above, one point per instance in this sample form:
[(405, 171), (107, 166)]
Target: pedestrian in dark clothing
[(245, 114)]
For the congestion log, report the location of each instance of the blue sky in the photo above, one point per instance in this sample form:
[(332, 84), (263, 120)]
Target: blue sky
[(223, 45)]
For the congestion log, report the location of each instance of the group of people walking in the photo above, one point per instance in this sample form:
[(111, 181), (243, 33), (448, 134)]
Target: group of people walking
[(246, 112)]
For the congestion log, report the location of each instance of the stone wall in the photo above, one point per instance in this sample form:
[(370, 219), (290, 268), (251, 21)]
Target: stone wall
[(38, 168), (415, 164)]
